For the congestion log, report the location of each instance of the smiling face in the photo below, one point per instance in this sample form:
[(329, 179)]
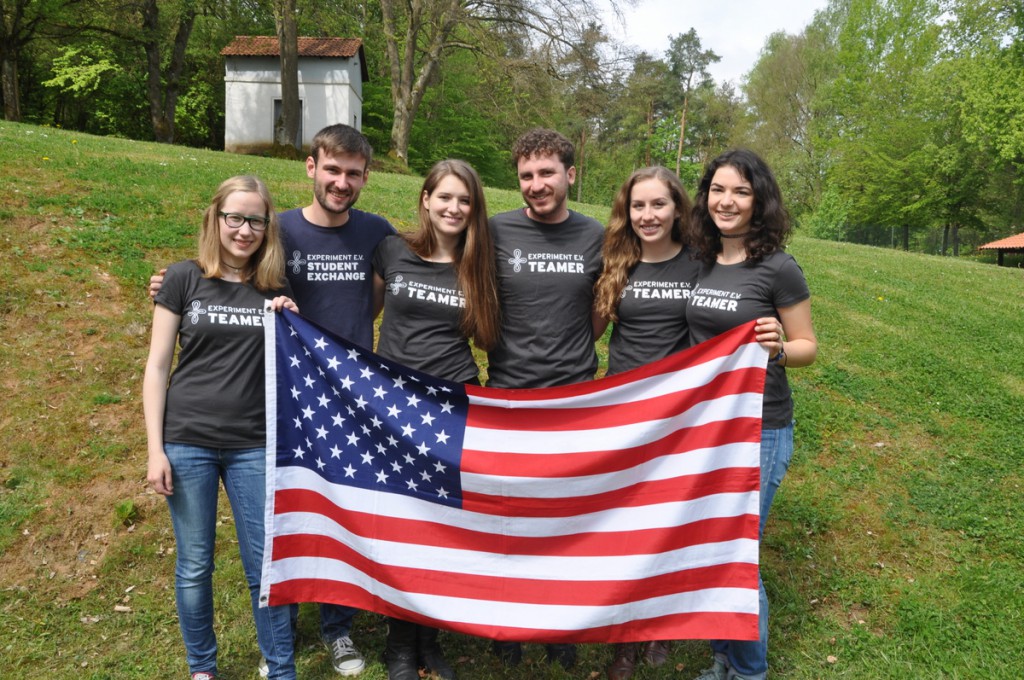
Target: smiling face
[(448, 207), (652, 212), (730, 201), (544, 182), (337, 181), (238, 245)]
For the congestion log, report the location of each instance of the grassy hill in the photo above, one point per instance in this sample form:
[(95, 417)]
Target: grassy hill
[(894, 550)]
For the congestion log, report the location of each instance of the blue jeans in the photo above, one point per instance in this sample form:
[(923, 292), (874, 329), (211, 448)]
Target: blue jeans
[(197, 472), (749, 658), (335, 621)]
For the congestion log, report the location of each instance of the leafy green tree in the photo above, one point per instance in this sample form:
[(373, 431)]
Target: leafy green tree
[(688, 62)]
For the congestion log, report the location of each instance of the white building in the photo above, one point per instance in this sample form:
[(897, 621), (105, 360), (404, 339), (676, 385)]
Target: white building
[(331, 76)]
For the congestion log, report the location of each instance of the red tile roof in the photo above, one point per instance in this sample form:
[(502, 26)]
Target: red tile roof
[(267, 46), (1016, 241)]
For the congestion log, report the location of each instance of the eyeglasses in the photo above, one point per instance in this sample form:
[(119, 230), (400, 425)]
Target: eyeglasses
[(236, 220)]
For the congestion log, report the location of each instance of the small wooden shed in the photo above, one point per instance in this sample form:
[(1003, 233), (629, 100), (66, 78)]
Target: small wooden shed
[(331, 76), (1010, 244)]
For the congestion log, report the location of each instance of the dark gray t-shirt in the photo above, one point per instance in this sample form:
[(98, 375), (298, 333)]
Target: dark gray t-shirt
[(329, 270), (729, 295), (422, 310), (652, 313), (546, 275), (215, 395)]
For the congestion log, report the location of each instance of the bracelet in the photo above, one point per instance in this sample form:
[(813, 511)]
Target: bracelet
[(778, 357)]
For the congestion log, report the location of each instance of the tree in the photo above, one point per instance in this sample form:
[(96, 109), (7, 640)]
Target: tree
[(418, 35), (286, 126), (688, 62), (21, 22)]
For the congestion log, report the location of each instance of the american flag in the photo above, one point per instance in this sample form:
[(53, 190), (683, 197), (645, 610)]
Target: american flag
[(622, 509)]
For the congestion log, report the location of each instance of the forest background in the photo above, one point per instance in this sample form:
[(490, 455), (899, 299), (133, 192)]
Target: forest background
[(889, 122)]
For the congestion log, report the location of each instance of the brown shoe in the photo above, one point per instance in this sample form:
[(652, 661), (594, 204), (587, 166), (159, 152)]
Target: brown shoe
[(624, 663), (655, 653)]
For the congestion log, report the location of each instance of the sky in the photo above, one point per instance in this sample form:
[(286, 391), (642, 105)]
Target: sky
[(734, 29)]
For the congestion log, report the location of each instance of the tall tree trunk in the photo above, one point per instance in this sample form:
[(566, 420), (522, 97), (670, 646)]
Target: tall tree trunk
[(682, 133), (956, 240), (906, 237), (286, 127), (9, 76), (579, 169), (945, 239), (162, 91)]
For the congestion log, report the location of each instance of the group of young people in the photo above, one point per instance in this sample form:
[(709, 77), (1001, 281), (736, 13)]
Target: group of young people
[(666, 274)]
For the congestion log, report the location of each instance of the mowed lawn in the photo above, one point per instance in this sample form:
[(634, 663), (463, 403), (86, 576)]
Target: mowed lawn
[(894, 549)]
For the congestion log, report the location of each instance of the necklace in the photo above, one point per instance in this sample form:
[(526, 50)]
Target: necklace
[(733, 235), (232, 268)]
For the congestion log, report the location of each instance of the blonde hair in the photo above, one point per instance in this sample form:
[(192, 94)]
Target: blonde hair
[(621, 251), (474, 254), (265, 268)]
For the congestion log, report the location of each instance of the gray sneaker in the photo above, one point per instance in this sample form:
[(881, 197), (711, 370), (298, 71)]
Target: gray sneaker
[(718, 671), (345, 657)]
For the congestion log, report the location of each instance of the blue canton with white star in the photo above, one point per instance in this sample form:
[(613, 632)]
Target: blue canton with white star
[(358, 419)]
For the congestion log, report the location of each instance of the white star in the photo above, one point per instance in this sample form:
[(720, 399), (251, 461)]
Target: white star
[(408, 430), (446, 389), (353, 438), (321, 432), (298, 422), (382, 477), (324, 400), (309, 380), (442, 438), (360, 402), (379, 392), (413, 400), (425, 476), (352, 354), (366, 372), (321, 372), (367, 457), (440, 467), (294, 361), (295, 392), (393, 411), (381, 448), (396, 466), (337, 419), (350, 471), (375, 421), (307, 413), (335, 451), (298, 452), (409, 459), (441, 493), (305, 350), (321, 343), (423, 448), (346, 382), (320, 464), (446, 407), (428, 419), (365, 429), (399, 382), (392, 441), (412, 485), (309, 444), (333, 363), (351, 411), (431, 390)]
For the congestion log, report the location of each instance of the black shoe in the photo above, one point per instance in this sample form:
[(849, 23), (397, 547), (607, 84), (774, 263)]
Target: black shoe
[(430, 655), (510, 653), (400, 651), (564, 655)]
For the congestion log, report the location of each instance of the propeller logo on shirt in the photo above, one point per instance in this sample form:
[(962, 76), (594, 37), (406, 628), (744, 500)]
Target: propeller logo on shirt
[(196, 311), (517, 260), (397, 285), (296, 262)]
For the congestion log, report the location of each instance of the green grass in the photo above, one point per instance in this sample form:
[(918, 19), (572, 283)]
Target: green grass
[(894, 547)]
